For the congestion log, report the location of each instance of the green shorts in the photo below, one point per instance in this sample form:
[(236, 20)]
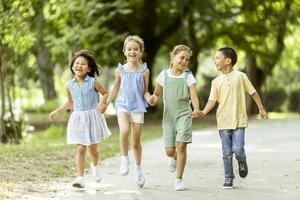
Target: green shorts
[(179, 130)]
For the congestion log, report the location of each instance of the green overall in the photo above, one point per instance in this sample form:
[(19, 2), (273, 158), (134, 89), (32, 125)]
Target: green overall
[(177, 117)]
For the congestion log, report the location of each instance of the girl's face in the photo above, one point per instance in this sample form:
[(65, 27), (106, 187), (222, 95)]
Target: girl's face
[(181, 60), (221, 61), (80, 67), (132, 51)]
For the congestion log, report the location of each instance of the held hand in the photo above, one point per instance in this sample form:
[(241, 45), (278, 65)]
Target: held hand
[(196, 113), (153, 100), (202, 114), (101, 107), (54, 115), (263, 114)]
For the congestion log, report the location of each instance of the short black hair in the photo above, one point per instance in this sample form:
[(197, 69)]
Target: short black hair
[(229, 52), (90, 59)]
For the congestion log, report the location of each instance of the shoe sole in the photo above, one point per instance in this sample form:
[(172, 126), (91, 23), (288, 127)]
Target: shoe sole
[(124, 174), (227, 187), (78, 186)]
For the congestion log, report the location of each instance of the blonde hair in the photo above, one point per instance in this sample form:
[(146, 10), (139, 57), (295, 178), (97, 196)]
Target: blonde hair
[(177, 49), (138, 40)]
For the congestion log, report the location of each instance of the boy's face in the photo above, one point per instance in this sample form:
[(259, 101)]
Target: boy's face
[(221, 61)]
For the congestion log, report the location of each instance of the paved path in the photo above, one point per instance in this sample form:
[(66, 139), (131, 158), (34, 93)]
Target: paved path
[(273, 153)]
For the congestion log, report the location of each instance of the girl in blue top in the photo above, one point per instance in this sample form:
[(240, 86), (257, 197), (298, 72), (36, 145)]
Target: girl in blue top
[(131, 84), (86, 125)]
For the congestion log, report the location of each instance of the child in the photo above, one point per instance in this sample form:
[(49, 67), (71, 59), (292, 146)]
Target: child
[(86, 126), (178, 87), (131, 84), (228, 90)]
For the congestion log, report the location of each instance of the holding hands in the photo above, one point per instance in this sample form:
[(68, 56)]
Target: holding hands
[(197, 113), (153, 99), (101, 107)]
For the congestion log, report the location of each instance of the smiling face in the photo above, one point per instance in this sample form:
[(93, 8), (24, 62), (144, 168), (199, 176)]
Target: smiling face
[(80, 67), (132, 51), (221, 61), (181, 60)]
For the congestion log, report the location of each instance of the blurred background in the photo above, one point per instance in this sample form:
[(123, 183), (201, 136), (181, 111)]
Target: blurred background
[(38, 39)]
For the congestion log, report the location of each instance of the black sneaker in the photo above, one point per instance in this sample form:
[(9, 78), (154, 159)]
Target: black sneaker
[(228, 183), (243, 169)]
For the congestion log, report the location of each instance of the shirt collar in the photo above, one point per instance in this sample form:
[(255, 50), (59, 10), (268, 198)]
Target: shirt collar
[(86, 79)]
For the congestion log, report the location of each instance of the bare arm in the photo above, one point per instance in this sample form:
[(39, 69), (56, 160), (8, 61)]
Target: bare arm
[(146, 85), (102, 91), (156, 94), (194, 97), (116, 87), (208, 107), (67, 105), (101, 106), (263, 114)]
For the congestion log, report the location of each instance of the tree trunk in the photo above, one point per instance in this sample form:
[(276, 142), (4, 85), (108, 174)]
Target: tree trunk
[(256, 77), (42, 55), (12, 117), (3, 136)]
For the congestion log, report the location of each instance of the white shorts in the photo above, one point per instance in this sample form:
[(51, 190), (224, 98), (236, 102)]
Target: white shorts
[(136, 117)]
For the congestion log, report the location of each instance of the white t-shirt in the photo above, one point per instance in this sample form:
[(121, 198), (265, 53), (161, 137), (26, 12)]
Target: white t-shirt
[(161, 77)]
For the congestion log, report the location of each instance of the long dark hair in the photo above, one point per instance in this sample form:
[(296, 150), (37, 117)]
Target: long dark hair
[(90, 59)]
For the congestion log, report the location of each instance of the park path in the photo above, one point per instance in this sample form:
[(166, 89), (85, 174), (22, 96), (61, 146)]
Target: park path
[(273, 155)]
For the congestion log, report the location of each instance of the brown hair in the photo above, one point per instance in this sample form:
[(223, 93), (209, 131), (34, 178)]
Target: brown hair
[(90, 59), (177, 49)]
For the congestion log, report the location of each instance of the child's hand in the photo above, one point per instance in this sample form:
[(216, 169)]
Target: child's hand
[(202, 114), (54, 115), (153, 100), (101, 107), (196, 113), (263, 114)]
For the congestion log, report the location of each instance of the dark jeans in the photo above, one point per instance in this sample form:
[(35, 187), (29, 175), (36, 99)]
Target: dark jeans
[(233, 141)]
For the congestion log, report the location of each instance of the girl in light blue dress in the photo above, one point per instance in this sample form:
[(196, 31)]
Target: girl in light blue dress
[(131, 85), (86, 125)]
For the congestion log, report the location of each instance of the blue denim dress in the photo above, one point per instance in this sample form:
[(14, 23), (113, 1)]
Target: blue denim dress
[(131, 92), (86, 125)]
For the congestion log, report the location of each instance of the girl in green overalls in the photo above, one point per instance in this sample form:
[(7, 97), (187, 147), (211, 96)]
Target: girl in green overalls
[(178, 87)]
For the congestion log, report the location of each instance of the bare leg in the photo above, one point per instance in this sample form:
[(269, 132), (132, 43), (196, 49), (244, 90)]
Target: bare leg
[(80, 158), (181, 158), (171, 152), (136, 132), (92, 150), (123, 120)]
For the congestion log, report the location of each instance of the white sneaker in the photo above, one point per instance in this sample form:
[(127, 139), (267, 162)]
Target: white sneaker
[(179, 185), (172, 165), (124, 168), (96, 173), (139, 177), (78, 183)]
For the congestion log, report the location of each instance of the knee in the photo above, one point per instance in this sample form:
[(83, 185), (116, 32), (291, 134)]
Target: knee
[(227, 154), (238, 150), (81, 150), (170, 152), (136, 145), (181, 148)]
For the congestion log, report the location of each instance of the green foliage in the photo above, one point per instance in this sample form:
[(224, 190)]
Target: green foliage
[(47, 107), (9, 135), (274, 99), (294, 99)]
